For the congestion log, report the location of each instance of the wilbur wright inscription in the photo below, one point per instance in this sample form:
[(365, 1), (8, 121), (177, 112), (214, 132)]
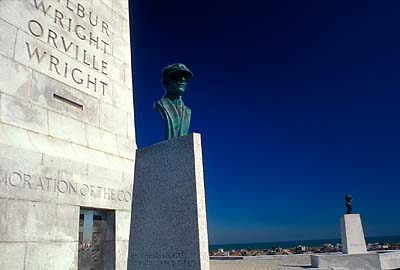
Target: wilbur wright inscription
[(63, 28)]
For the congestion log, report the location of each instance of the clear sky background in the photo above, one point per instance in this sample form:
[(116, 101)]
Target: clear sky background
[(297, 103)]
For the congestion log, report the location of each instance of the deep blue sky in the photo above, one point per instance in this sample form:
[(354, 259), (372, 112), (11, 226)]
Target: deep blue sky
[(297, 103)]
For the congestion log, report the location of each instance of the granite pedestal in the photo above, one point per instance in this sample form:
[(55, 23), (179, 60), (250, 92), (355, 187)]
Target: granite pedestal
[(352, 234), (168, 225)]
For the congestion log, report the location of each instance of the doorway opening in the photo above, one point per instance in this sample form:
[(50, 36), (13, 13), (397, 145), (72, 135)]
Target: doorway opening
[(96, 250)]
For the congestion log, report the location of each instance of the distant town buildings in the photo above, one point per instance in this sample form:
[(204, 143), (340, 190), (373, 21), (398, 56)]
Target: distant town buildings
[(300, 249)]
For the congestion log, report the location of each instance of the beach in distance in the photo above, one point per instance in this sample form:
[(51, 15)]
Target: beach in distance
[(308, 243)]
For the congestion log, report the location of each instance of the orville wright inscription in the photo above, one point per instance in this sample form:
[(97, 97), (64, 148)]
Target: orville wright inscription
[(77, 32)]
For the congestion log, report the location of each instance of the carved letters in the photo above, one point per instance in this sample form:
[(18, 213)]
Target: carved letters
[(25, 180), (66, 33)]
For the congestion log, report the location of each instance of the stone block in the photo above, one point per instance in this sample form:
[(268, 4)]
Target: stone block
[(67, 129), (102, 140), (118, 72), (25, 13), (52, 146), (126, 147), (7, 39), (121, 8), (367, 261), (122, 49), (108, 3), (107, 173), (128, 76), (390, 260), (121, 254), (169, 207), (44, 88), (20, 154), (113, 119), (60, 163), (16, 136), (15, 79), (122, 164), (122, 98), (91, 156), (22, 114), (3, 216), (38, 221), (125, 29), (122, 221), (12, 255), (352, 234), (52, 255), (131, 128)]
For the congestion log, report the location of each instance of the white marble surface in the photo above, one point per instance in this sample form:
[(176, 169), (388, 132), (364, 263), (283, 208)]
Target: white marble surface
[(366, 261), (87, 151), (352, 234)]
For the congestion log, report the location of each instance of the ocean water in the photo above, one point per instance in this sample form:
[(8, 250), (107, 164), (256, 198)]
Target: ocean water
[(309, 243)]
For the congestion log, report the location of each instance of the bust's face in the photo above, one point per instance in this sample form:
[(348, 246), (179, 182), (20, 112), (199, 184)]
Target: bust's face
[(176, 84)]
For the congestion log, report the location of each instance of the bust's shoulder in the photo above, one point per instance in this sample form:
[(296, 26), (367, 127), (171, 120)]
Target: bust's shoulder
[(162, 103)]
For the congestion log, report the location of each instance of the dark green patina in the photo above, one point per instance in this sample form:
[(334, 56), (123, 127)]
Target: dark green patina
[(175, 114), (348, 200)]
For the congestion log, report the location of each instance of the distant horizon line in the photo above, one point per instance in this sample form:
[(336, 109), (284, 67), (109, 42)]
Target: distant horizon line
[(286, 241)]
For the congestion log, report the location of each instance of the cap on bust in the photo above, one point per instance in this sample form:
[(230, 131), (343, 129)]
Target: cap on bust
[(174, 68)]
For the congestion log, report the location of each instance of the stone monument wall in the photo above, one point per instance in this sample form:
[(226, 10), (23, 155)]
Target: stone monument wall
[(67, 138)]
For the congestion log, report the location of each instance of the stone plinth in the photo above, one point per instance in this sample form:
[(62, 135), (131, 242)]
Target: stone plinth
[(368, 261), (351, 231), (168, 225)]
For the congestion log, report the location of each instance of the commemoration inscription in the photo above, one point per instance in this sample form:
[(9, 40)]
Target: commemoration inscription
[(61, 185)]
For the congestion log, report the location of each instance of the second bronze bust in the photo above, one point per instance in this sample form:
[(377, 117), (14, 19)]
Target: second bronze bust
[(175, 114)]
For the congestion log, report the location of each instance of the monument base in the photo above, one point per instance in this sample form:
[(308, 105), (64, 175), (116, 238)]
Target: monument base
[(168, 224), (369, 261), (352, 234)]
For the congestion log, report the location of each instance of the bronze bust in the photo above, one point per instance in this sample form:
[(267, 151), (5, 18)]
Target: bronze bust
[(348, 200), (175, 114)]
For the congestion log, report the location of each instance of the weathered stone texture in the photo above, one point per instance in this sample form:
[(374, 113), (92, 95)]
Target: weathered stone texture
[(43, 89), (51, 255), (66, 127), (12, 255), (23, 114), (35, 217), (15, 79), (7, 39), (112, 119), (102, 140), (122, 228)]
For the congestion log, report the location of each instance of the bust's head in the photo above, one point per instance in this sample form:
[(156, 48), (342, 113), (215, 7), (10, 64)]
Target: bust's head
[(174, 79)]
